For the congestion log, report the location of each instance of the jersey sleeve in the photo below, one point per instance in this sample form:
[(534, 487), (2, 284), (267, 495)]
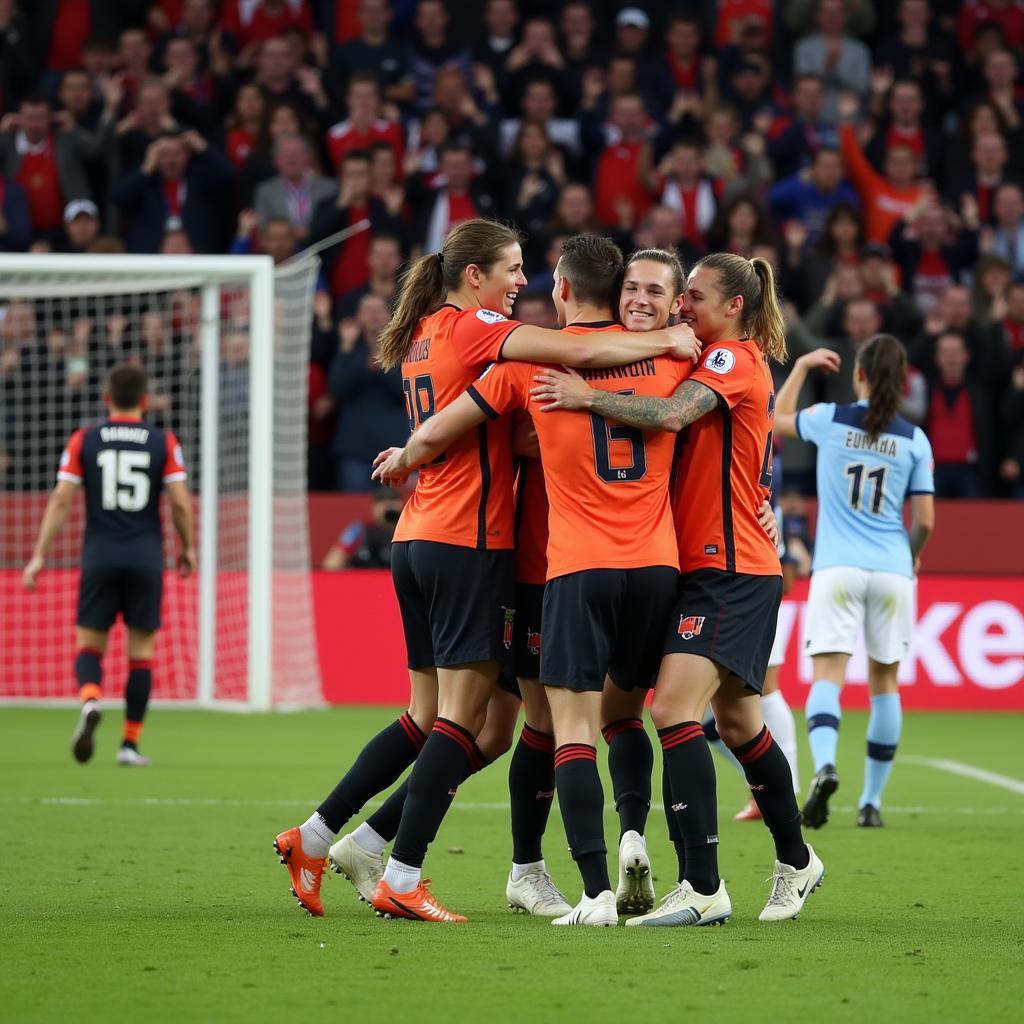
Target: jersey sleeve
[(70, 468), (478, 336), (812, 422), (728, 370), (922, 475), (502, 388), (174, 464)]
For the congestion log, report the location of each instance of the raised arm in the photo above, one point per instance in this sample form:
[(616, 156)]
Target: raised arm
[(530, 344), (58, 508), (787, 396), (690, 401), (431, 437)]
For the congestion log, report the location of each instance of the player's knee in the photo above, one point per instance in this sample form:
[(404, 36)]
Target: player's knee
[(423, 714), (663, 712)]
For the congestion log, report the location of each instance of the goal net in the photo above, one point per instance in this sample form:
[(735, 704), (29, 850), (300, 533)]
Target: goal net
[(225, 343)]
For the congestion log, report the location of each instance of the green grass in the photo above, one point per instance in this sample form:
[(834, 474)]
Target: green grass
[(155, 896)]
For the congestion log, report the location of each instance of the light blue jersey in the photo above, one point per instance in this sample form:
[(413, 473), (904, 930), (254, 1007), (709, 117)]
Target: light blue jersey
[(862, 485)]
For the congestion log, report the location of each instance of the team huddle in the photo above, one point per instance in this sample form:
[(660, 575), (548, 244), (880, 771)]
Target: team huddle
[(589, 523)]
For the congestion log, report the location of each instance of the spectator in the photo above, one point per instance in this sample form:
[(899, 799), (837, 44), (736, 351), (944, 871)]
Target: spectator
[(536, 57), (862, 320), (454, 198), (740, 224), (295, 191), (539, 103), (501, 18), (365, 123), (536, 174), (15, 225), (975, 13), (582, 48), (469, 123), (367, 544), (886, 198), (681, 185), (986, 172), (96, 123), (282, 80), (733, 19), (662, 228), (433, 49), (1012, 327), (47, 164), (682, 53), (247, 128), (253, 22), (999, 69), (371, 400), (842, 61), (841, 242), (384, 260), (81, 224), (901, 315), (811, 195), (149, 119), (992, 276), (620, 197), (1007, 238), (899, 121), (17, 70), (793, 145), (348, 263), (955, 313), (134, 57), (535, 308), (375, 52), (654, 76), (920, 51), (958, 421), (180, 185), (1012, 420), (58, 29), (200, 98)]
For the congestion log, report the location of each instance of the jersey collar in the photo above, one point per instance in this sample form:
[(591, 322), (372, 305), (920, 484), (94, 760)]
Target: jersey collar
[(592, 323), (124, 419)]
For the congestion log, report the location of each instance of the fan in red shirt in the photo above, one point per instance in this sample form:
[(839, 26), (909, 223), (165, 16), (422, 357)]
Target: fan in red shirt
[(619, 193), (721, 632), (256, 21), (364, 124)]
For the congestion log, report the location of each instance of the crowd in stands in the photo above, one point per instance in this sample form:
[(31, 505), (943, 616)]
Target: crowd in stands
[(874, 152)]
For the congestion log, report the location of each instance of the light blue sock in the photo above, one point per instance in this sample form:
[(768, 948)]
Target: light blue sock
[(714, 740), (884, 726), (823, 715)]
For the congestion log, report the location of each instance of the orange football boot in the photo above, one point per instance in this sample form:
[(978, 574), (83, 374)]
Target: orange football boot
[(417, 905), (749, 813), (306, 872)]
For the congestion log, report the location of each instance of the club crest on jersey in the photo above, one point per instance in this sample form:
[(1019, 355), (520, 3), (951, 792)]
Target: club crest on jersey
[(533, 641), (510, 618), (720, 361), (690, 626), (489, 316)]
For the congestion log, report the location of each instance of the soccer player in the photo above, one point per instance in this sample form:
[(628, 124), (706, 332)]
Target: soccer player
[(721, 630), (452, 558), (612, 559), (870, 460), (122, 465)]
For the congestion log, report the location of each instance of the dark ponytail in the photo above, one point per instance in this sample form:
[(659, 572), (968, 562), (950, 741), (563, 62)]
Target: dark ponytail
[(884, 362)]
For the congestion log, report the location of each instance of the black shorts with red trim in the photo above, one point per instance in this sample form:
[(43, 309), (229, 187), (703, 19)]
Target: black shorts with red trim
[(525, 638), (605, 622), (457, 604), (103, 591), (728, 618)]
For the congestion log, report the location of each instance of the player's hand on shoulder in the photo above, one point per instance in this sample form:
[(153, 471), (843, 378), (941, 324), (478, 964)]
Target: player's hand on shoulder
[(685, 344), (822, 359), (187, 562), (31, 573), (560, 389)]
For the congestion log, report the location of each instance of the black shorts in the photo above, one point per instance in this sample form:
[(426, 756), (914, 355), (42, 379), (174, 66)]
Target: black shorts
[(104, 591), (602, 622), (728, 618), (457, 604)]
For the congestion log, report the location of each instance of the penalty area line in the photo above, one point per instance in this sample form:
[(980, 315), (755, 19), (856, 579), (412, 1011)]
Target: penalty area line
[(968, 771)]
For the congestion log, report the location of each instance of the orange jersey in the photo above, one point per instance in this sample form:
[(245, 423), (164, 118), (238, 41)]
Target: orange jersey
[(607, 483), (531, 523), (463, 497), (725, 466)]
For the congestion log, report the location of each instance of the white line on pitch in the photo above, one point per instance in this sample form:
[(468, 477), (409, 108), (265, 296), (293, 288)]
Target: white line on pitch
[(156, 801), (969, 771)]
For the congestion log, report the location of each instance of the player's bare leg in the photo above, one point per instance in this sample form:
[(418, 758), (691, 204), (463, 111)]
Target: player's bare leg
[(91, 645), (884, 727), (823, 717), (631, 764), (136, 695)]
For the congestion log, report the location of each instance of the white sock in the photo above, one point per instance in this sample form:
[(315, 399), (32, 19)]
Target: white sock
[(401, 877), (369, 840), (316, 836), (518, 870), (778, 716)]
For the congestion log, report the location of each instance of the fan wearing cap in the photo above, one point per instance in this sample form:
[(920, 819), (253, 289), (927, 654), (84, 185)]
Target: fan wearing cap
[(653, 75), (81, 224)]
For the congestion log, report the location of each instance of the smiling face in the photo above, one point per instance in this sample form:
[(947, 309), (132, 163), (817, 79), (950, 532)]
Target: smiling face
[(648, 298), (496, 287), (712, 314)]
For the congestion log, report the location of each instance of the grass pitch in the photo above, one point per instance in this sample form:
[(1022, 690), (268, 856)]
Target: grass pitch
[(154, 895)]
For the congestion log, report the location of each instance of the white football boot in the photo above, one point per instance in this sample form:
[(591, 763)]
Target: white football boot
[(361, 867), (598, 911), (635, 891), (131, 758), (535, 893), (790, 888), (684, 906), (82, 742)]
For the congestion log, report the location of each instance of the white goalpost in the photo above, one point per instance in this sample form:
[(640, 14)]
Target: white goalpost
[(225, 342)]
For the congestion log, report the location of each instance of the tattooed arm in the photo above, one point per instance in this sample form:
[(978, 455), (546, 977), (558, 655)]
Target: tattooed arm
[(690, 401)]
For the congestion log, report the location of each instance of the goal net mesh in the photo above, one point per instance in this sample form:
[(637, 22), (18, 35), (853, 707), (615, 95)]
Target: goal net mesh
[(59, 336)]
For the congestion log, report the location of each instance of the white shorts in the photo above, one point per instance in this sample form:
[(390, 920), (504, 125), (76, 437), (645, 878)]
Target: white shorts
[(842, 600)]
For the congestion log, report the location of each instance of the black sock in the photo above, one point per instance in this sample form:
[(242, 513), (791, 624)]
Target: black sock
[(378, 765), (692, 778), (674, 832), (771, 783), (630, 762), (386, 819), (433, 781), (88, 668), (136, 700), (531, 789), (581, 799)]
